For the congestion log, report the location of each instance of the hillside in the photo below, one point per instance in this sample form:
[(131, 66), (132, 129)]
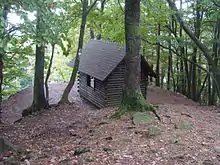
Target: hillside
[(80, 133), (12, 108)]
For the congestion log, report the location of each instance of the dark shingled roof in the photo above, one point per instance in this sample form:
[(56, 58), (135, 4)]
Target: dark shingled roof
[(100, 58)]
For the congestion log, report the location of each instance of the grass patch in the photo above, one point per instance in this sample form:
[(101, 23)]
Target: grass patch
[(133, 101), (141, 118), (154, 131)]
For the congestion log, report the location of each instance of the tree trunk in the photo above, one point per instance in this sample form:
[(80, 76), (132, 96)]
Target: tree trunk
[(67, 90), (91, 33), (187, 74), (48, 74), (182, 74), (202, 88), (215, 55), (39, 100), (170, 67), (162, 76), (199, 81), (177, 76), (193, 75), (132, 99), (3, 45), (197, 25), (133, 44), (157, 82), (99, 36)]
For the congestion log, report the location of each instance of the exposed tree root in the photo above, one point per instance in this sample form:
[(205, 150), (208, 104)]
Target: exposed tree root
[(134, 102), (31, 110)]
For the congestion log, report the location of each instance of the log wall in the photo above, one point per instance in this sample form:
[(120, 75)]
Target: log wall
[(107, 93), (94, 95), (114, 85)]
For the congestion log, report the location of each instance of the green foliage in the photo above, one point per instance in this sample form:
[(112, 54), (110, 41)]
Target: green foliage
[(154, 131), (110, 23), (86, 160), (132, 102), (61, 23), (16, 66), (142, 118)]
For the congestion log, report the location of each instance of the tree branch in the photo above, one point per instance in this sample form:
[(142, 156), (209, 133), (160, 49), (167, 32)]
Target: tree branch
[(181, 56), (216, 4), (90, 8), (12, 29), (121, 6), (207, 53)]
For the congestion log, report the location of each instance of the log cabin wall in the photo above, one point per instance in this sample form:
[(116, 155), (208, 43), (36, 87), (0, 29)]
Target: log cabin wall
[(94, 95), (114, 85)]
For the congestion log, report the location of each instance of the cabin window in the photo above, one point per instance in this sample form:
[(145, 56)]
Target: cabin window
[(90, 81)]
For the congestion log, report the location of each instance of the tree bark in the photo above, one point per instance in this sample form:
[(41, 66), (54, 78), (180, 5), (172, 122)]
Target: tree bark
[(182, 73), (132, 99), (187, 74), (48, 74), (157, 82), (215, 56), (133, 44), (39, 100), (170, 66), (64, 98), (99, 36), (162, 76), (3, 45)]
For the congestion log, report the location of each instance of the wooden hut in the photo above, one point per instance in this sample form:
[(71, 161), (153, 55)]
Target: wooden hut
[(102, 71)]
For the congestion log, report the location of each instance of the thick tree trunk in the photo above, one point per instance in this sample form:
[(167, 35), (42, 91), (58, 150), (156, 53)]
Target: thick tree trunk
[(39, 100), (157, 82), (67, 90), (215, 56), (133, 44), (48, 74), (132, 99), (3, 45), (197, 25)]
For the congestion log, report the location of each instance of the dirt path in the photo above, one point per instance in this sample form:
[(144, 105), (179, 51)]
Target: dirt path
[(12, 108)]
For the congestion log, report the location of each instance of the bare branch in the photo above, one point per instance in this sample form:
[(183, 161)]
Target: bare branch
[(90, 8), (121, 6), (12, 29), (207, 53), (181, 56), (216, 4)]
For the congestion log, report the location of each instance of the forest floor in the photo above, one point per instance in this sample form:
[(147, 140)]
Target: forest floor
[(81, 134)]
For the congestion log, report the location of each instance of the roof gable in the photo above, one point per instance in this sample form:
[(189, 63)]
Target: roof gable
[(100, 58)]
